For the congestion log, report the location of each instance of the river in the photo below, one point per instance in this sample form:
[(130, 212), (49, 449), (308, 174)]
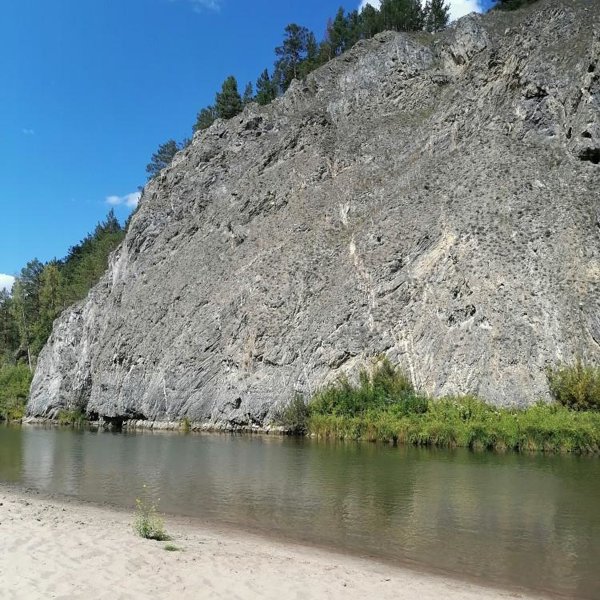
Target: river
[(529, 521)]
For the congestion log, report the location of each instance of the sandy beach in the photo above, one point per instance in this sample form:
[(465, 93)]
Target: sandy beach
[(58, 548)]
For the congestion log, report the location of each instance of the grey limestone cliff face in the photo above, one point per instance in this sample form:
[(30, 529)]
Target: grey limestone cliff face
[(433, 198)]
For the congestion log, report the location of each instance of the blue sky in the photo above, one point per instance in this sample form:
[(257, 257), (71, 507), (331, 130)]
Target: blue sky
[(91, 88)]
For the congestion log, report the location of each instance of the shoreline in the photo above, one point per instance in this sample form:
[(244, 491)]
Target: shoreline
[(64, 547)]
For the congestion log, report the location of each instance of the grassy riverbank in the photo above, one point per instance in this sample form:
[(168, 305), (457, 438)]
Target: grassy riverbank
[(469, 423), (383, 406)]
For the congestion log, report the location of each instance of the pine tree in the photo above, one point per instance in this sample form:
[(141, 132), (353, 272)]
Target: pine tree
[(354, 28), (266, 90), (298, 44), (402, 15), (206, 117), (248, 96), (371, 21), (338, 33), (162, 158), (228, 102), (311, 60), (436, 15)]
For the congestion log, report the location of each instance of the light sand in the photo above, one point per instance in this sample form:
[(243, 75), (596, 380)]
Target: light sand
[(62, 549)]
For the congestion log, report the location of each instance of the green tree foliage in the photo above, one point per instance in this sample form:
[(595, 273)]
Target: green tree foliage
[(9, 334), (248, 96), (402, 15), (343, 32), (14, 388), (299, 46), (87, 261), (371, 22), (26, 308), (436, 14), (41, 292), (162, 158), (206, 117), (52, 302), (228, 102), (300, 52), (266, 89)]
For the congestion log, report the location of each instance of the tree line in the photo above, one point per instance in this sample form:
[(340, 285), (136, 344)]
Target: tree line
[(300, 53), (42, 291)]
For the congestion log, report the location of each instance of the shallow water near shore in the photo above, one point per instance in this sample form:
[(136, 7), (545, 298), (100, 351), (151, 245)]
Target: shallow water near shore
[(508, 520)]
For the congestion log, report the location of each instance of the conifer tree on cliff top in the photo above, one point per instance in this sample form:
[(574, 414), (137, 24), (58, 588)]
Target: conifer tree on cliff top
[(228, 102), (162, 158), (266, 90), (436, 15)]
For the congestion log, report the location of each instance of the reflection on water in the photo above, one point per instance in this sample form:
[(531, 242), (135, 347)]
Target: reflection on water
[(509, 519)]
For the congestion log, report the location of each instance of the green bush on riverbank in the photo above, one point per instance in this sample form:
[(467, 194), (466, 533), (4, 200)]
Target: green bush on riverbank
[(14, 389), (576, 386), (384, 406)]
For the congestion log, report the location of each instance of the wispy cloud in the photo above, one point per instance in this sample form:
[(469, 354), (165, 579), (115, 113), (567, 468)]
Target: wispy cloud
[(26, 131), (6, 282), (129, 200), (203, 5), (458, 8)]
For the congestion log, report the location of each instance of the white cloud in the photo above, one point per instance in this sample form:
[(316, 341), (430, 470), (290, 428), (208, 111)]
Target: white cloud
[(6, 282), (128, 200), (210, 4), (203, 5), (458, 8), (26, 131), (373, 3)]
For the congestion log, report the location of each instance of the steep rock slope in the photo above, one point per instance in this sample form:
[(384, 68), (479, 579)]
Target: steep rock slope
[(432, 198)]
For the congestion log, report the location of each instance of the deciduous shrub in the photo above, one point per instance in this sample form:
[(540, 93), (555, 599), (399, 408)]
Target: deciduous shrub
[(14, 389), (382, 387), (294, 416)]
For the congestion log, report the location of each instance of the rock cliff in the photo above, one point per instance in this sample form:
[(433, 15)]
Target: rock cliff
[(433, 198)]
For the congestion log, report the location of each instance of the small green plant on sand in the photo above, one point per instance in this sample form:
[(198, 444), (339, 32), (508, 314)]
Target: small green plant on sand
[(172, 548), (148, 523)]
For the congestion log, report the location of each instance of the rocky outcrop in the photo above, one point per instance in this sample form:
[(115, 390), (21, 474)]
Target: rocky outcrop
[(433, 198)]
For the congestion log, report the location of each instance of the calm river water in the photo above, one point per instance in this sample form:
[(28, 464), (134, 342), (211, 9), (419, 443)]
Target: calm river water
[(516, 520)]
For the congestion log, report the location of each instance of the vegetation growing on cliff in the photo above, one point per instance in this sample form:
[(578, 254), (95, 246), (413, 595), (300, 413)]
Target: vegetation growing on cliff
[(384, 406), (300, 53)]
